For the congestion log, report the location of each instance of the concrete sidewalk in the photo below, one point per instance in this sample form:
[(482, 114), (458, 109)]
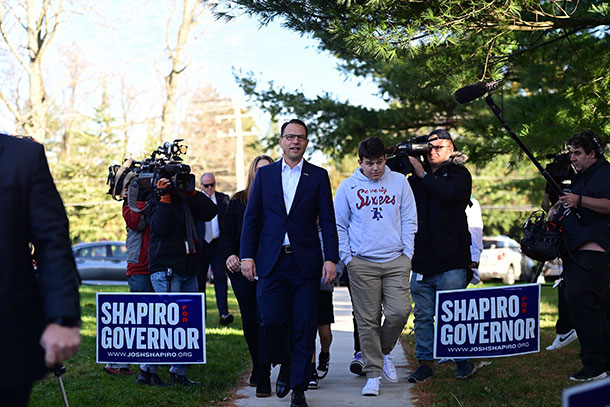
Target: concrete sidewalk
[(340, 387)]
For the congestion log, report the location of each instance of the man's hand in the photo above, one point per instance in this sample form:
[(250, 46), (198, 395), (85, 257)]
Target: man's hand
[(329, 271), (163, 185), (233, 264), (569, 200), (59, 343), (248, 269), (418, 169)]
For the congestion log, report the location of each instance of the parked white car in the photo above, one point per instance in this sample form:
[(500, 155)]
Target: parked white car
[(501, 258)]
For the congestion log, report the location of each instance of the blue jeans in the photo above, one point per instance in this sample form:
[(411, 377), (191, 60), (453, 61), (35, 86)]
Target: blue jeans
[(140, 283), (424, 298), (178, 284)]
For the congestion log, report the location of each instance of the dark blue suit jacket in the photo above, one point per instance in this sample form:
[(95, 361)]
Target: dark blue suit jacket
[(266, 221)]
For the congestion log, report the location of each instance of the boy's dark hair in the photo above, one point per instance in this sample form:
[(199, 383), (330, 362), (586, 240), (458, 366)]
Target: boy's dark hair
[(588, 141), (293, 121), (371, 148)]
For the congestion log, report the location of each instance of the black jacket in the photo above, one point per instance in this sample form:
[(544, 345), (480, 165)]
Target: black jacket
[(230, 232), (442, 241), (593, 226), (32, 211), (167, 246), (222, 201)]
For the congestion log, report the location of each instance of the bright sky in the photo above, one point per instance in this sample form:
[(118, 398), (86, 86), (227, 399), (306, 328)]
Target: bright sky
[(130, 36), (124, 42)]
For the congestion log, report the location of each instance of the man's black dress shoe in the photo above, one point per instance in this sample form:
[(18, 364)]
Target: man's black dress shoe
[(298, 399), (226, 319), (282, 386), (263, 388), (182, 379), (150, 379)]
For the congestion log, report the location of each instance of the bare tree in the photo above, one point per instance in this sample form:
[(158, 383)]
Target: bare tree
[(27, 29), (191, 11)]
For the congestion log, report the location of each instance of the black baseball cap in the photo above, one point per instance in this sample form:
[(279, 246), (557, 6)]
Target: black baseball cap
[(441, 134)]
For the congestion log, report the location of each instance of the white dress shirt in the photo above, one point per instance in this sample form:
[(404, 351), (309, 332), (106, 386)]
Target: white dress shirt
[(290, 180), (212, 229)]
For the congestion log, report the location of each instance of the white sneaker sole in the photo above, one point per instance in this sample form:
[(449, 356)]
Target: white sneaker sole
[(590, 379)]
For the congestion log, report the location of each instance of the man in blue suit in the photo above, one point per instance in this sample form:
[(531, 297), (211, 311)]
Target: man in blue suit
[(280, 246)]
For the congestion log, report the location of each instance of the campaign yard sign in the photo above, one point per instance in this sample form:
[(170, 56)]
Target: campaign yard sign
[(166, 328), (487, 322), (593, 394)]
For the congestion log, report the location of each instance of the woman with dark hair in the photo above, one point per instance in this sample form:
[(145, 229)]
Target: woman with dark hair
[(245, 290)]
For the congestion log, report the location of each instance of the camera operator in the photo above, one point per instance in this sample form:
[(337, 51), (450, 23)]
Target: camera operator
[(585, 252), (173, 261), (442, 188)]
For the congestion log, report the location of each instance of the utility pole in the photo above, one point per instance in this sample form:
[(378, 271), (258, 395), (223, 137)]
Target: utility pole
[(239, 135)]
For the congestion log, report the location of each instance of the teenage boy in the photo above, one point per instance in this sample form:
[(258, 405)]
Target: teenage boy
[(376, 224)]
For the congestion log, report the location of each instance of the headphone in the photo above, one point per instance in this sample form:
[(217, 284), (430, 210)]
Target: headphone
[(599, 149)]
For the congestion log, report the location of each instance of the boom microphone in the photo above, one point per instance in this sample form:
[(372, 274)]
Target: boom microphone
[(476, 90)]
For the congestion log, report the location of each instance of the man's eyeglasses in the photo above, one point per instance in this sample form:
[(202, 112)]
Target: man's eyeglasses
[(209, 185), (290, 137), (438, 148)]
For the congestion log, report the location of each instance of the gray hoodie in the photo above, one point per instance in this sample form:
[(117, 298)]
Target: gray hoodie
[(376, 220)]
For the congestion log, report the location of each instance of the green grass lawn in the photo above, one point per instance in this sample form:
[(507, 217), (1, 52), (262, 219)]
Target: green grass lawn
[(535, 379), (87, 385)]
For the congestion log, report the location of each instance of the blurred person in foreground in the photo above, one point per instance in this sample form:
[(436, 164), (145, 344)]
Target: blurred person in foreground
[(40, 316), (585, 253), (244, 289)]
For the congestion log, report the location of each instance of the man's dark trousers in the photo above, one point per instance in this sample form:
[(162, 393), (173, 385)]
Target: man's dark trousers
[(588, 297), (289, 297), (212, 256)]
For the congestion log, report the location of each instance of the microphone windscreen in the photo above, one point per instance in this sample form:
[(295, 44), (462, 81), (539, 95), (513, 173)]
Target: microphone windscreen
[(470, 92)]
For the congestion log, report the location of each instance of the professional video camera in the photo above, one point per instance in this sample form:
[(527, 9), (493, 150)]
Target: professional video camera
[(562, 171), (398, 159), (141, 176)]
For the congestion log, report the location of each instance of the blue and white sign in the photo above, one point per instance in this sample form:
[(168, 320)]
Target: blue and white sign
[(487, 322), (150, 328), (593, 394)]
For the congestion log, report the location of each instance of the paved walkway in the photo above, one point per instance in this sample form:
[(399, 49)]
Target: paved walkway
[(340, 387)]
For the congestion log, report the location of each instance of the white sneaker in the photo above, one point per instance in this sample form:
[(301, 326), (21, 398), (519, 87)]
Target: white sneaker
[(371, 388), (563, 340), (389, 370)]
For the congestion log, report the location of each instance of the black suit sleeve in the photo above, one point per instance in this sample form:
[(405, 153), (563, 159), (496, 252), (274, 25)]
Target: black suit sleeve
[(48, 225), (231, 229), (202, 207)]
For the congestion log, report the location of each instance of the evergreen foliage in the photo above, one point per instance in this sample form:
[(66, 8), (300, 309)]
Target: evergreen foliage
[(553, 57), (81, 178)]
